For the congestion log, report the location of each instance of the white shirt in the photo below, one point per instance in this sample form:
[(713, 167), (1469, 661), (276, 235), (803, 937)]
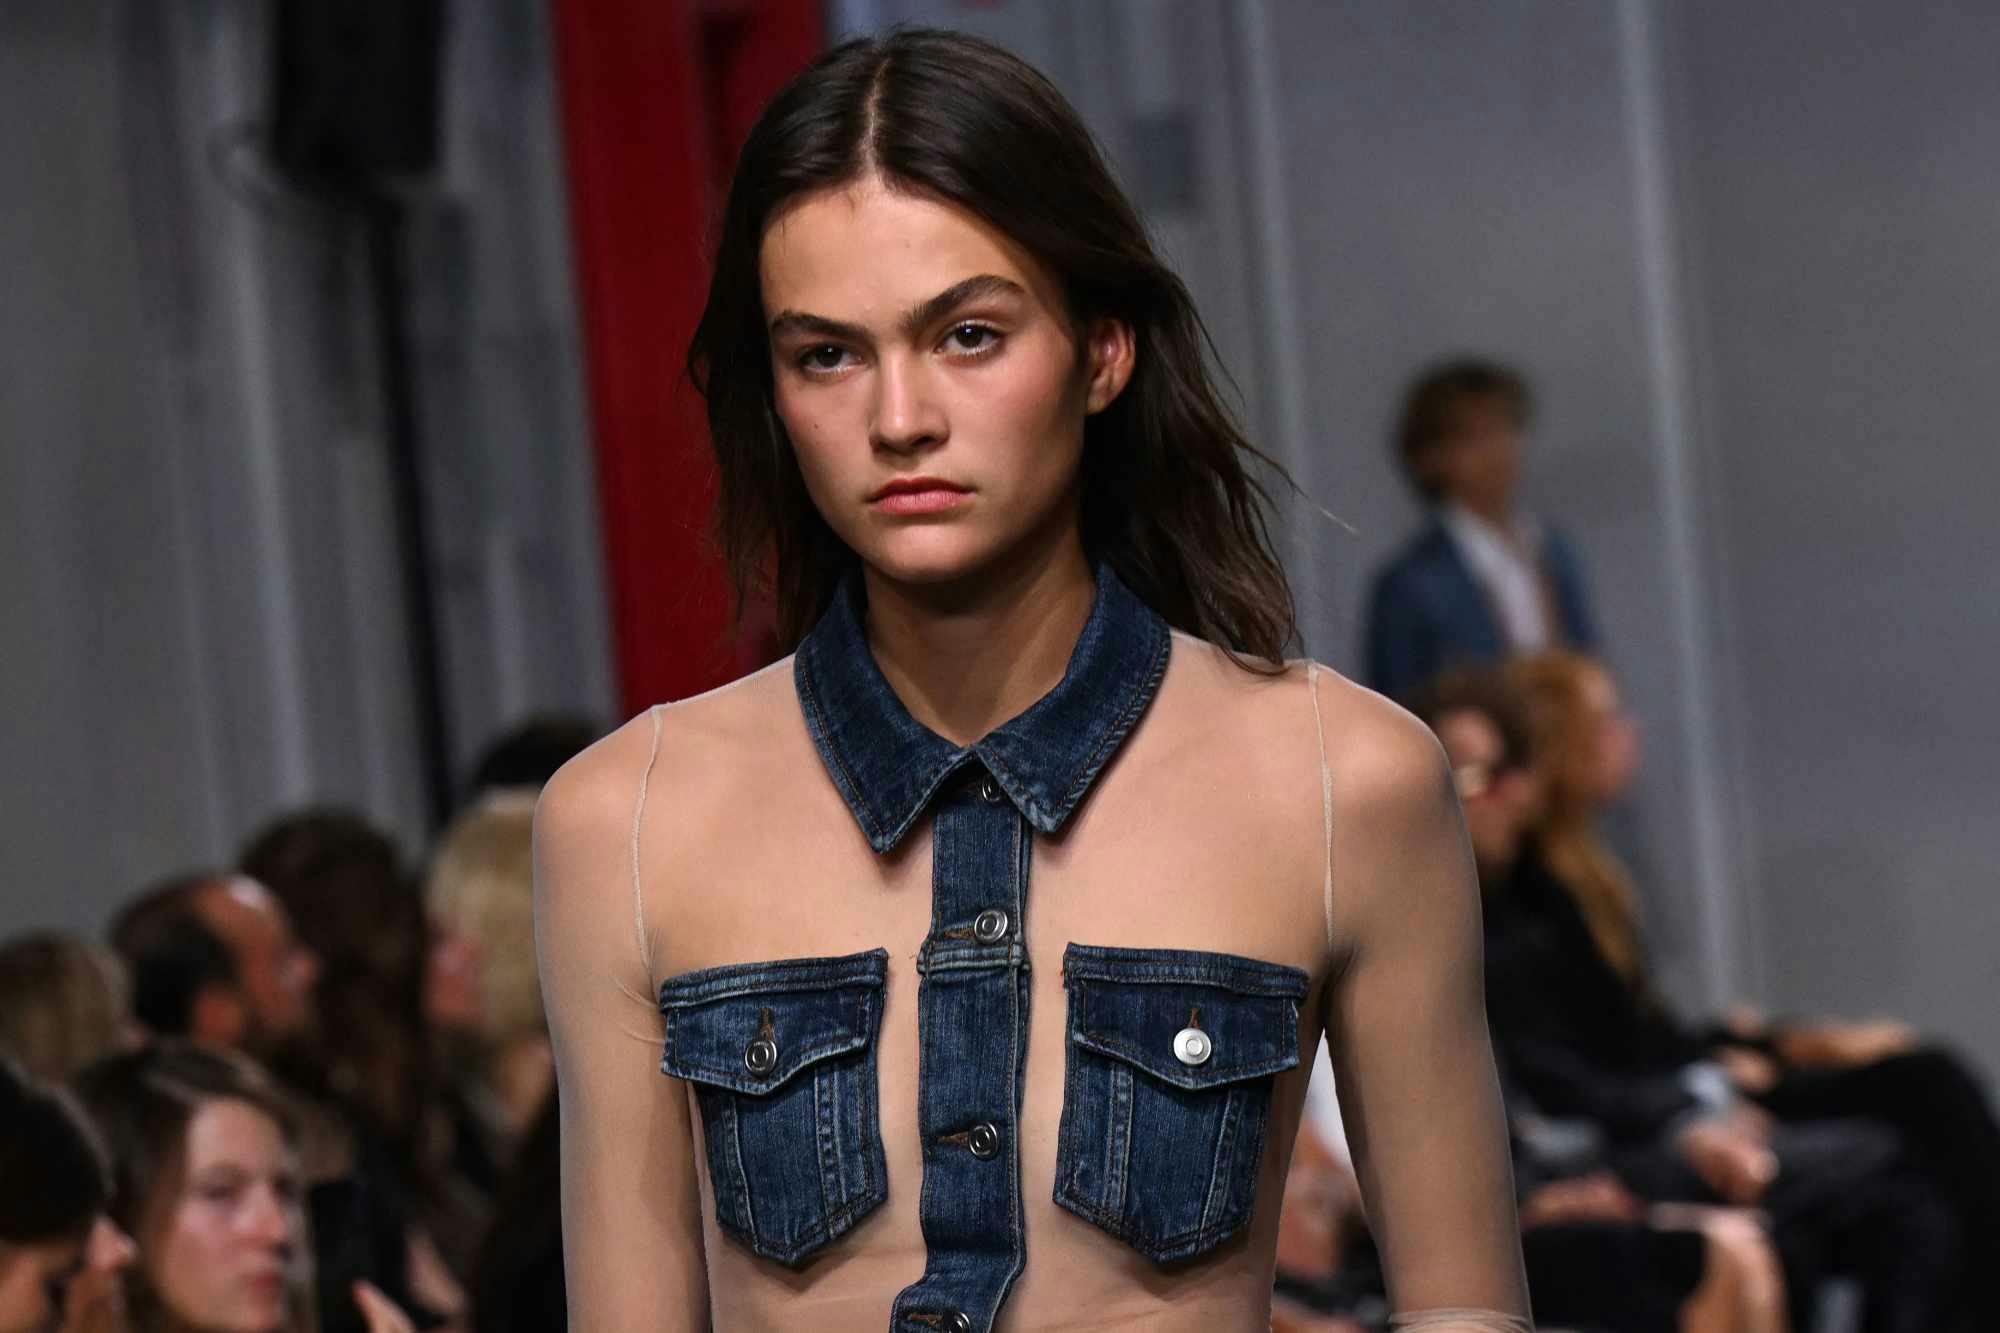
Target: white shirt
[(1507, 564)]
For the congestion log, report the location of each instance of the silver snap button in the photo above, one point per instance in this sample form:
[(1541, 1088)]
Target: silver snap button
[(990, 926), (761, 1056), (989, 791), (957, 1322), (984, 1141), (1192, 1046)]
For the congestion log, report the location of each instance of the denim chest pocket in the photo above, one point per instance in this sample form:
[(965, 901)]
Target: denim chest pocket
[(1171, 1058), (782, 1057)]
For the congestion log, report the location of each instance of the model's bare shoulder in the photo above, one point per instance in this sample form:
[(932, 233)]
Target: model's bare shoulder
[(1393, 809)]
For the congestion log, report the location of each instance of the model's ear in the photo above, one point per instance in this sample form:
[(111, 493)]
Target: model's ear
[(1112, 351)]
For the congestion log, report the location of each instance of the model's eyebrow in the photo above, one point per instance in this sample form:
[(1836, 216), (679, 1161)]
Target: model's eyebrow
[(914, 321)]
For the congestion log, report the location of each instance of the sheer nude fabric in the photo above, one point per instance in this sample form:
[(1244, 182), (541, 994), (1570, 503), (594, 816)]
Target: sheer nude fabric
[(1296, 819)]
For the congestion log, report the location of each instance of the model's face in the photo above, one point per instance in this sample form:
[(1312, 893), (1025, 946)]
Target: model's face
[(278, 973), (231, 1250), (930, 381)]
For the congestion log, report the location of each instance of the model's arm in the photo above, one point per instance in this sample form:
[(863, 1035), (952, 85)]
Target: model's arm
[(1406, 1025), (631, 1213)]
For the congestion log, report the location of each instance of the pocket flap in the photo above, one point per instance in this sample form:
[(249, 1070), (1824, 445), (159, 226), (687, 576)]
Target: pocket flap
[(808, 1009), (1132, 1005)]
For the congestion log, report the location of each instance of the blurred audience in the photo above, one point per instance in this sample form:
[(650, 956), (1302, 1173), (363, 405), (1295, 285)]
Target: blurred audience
[(60, 1253), (1481, 580), (1576, 1036), (1798, 1070), (481, 887), (64, 1003), (207, 1179), (372, 1055), (213, 958)]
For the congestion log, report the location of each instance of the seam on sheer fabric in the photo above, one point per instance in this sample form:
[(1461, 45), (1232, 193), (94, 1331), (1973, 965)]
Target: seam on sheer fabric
[(1325, 800), (638, 814)]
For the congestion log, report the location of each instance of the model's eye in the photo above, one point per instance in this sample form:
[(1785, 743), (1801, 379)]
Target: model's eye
[(822, 360), (972, 338)]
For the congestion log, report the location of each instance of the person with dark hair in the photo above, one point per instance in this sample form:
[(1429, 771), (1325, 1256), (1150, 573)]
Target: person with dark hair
[(528, 755), (966, 428), (1481, 580), (59, 1253), (373, 1055), (205, 1170), (213, 958)]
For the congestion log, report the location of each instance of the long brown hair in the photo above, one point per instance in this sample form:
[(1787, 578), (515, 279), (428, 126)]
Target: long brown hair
[(143, 1102), (1555, 686), (1170, 496)]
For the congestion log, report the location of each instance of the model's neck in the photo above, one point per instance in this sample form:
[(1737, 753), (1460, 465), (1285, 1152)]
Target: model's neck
[(967, 656)]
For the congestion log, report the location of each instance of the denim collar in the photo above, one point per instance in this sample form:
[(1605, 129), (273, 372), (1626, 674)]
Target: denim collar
[(888, 766)]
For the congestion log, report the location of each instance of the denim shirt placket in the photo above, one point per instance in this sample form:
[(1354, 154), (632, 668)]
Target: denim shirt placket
[(987, 801)]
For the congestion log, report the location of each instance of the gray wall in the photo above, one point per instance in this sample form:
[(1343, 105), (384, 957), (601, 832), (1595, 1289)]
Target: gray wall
[(198, 571), (1746, 255)]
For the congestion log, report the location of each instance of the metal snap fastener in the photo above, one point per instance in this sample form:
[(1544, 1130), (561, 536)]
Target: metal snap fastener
[(984, 1141), (761, 1056), (1192, 1046), (990, 926), (989, 791), (957, 1322)]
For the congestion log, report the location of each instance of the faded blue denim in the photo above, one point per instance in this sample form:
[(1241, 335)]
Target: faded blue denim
[(1157, 1152)]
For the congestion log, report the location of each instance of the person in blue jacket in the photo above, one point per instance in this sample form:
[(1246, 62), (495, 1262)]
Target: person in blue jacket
[(1481, 580)]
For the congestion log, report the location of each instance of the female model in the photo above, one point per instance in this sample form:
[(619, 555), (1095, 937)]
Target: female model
[(979, 940)]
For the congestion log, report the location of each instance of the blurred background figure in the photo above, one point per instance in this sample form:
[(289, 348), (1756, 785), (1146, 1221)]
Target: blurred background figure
[(481, 889), (60, 1253), (213, 958), (205, 1159), (1483, 578), (64, 1003)]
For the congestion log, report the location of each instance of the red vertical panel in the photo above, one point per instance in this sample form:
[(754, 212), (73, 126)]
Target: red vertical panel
[(656, 97)]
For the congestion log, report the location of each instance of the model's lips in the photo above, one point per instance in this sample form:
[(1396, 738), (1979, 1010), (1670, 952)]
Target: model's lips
[(919, 495)]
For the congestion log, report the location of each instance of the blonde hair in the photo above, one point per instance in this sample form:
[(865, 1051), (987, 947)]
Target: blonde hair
[(64, 1003), (482, 885), (1555, 688)]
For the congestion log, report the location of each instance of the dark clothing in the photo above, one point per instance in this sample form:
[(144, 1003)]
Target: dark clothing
[(1620, 1279), (1428, 612), (1853, 1195), (1574, 1034)]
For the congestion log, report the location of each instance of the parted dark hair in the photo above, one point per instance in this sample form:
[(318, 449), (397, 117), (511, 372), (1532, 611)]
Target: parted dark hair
[(1437, 393), (1171, 499), (55, 1177)]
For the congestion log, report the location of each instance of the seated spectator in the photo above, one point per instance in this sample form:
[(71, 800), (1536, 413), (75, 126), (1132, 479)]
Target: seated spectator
[(517, 1281), (1798, 1071), (213, 959), (481, 887), (372, 1055), (207, 1178), (64, 1003), (1840, 1197), (60, 1255), (1481, 580)]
